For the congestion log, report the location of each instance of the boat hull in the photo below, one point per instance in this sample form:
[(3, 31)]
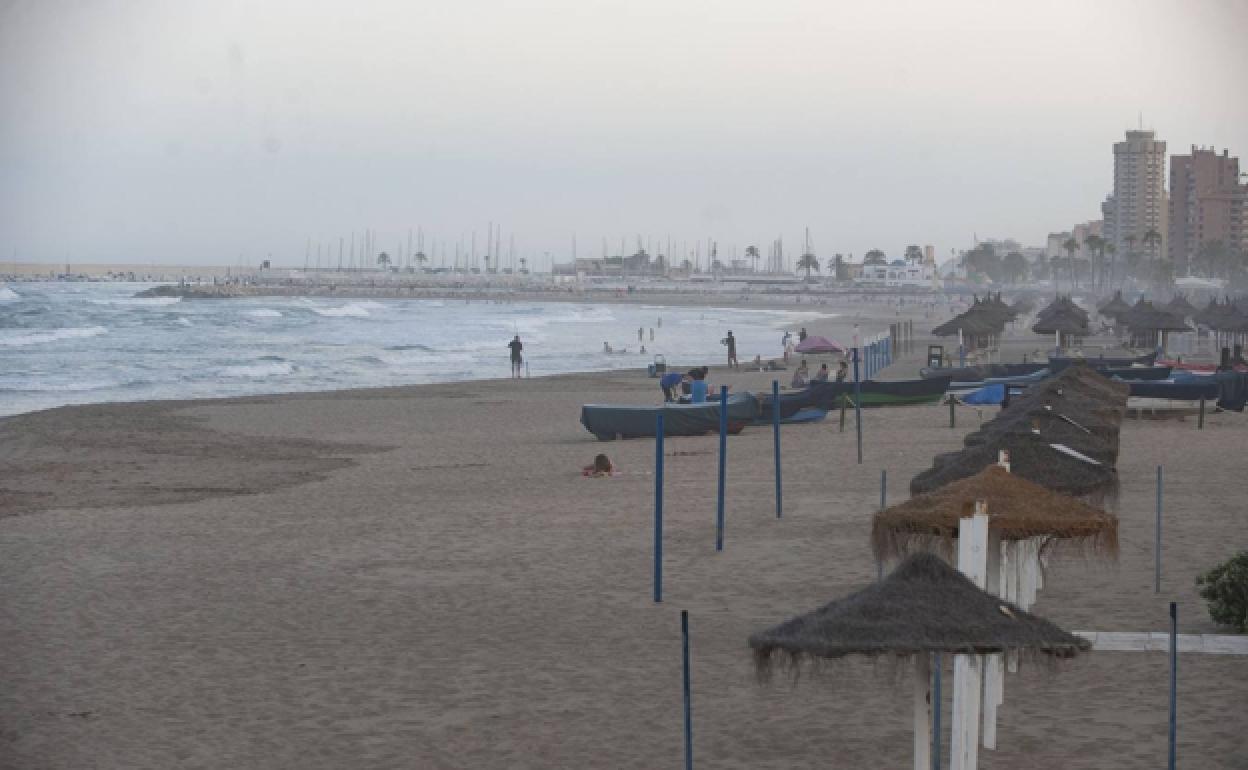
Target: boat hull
[(609, 421)]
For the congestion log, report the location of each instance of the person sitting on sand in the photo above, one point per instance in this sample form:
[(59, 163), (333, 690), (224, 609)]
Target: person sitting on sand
[(601, 468), (823, 374), (801, 377)]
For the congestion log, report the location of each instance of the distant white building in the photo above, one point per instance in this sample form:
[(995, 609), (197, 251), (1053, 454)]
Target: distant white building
[(898, 273)]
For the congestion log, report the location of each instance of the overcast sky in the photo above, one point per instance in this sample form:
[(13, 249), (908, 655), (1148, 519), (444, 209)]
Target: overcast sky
[(205, 132)]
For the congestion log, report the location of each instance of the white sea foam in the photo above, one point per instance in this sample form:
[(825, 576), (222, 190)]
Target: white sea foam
[(22, 337), (259, 370), (137, 301), (263, 312), (8, 295), (61, 387), (184, 321), (352, 310)]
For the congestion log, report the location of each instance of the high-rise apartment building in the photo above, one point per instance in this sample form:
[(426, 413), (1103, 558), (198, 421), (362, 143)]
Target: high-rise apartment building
[(1138, 204), (1207, 203)]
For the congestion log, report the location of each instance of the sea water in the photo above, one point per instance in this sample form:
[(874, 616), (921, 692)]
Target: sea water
[(74, 343)]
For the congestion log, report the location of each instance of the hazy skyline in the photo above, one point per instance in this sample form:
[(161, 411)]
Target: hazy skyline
[(196, 132)]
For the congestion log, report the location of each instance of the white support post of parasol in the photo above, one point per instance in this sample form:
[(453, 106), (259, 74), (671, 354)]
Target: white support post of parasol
[(923, 711), (1014, 556), (993, 670), (967, 669)]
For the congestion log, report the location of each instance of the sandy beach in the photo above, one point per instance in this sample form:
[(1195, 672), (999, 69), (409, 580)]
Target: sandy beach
[(419, 577)]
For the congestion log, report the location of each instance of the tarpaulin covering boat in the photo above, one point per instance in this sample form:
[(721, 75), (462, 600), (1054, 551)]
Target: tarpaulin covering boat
[(1058, 363), (982, 372), (1181, 390), (1228, 389), (827, 395), (609, 421)]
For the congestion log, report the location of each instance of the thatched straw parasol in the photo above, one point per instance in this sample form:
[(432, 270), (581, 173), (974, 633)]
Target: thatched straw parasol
[(1064, 323), (1079, 394), (1064, 305), (1017, 510), (922, 606), (1179, 307), (1115, 308), (1032, 457), (1150, 325)]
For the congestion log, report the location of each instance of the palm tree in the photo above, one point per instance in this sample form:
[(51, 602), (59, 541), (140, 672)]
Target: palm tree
[(383, 259), (914, 254), (1130, 240), (524, 266), (808, 262), (1096, 247), (1111, 250), (874, 257), (839, 267), (1152, 239), (421, 259), (1071, 246), (751, 253)]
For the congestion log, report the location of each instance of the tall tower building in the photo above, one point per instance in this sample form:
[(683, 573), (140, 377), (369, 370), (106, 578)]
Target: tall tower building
[(1138, 204), (1207, 203)]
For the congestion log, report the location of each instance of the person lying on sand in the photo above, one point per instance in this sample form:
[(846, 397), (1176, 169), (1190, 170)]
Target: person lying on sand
[(601, 468)]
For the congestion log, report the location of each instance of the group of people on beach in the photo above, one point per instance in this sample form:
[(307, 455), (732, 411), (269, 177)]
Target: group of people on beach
[(802, 378)]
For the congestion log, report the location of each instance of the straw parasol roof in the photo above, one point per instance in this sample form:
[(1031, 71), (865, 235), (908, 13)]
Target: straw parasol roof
[(983, 318), (1087, 437), (1115, 308), (1078, 393), (1179, 307), (923, 606), (1145, 317), (1017, 510), (1062, 305), (1031, 456), (1064, 322)]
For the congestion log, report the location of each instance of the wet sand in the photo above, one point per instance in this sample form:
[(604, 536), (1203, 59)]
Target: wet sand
[(420, 577)]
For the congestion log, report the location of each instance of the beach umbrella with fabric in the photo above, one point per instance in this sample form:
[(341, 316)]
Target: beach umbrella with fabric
[(923, 607), (817, 344)]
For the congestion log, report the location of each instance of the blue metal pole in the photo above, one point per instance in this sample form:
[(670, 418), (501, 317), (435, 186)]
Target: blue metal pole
[(658, 508), (723, 462), (775, 423), (684, 638), (936, 672), (1157, 539), (858, 405), (1174, 683)]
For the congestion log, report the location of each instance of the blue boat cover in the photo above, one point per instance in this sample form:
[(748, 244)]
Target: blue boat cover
[(989, 394)]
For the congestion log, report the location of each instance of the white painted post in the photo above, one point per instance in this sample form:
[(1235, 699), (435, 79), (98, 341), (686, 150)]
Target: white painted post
[(1015, 552), (993, 673), (922, 711), (967, 669)]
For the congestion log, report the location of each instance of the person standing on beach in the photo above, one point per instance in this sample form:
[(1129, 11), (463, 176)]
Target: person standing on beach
[(731, 342), (801, 336), (641, 334), (516, 359)]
